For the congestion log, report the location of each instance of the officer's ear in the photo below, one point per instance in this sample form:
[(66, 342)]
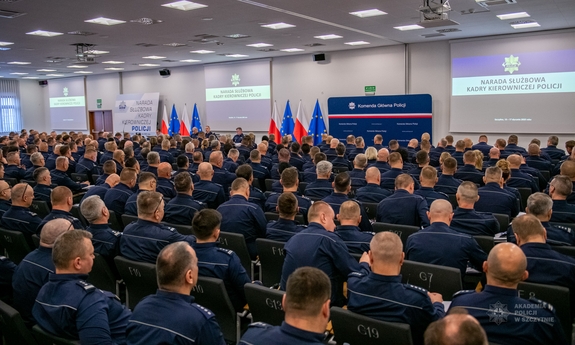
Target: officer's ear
[(525, 275), (485, 267), (325, 309), (427, 213), (484, 180), (216, 234), (402, 259)]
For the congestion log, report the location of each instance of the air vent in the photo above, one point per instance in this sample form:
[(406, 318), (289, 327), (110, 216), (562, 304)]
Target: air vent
[(524, 21), (267, 50), (444, 31), (174, 44), (432, 35), (488, 3), (236, 36), (10, 14), (80, 33), (147, 45), (145, 21), (169, 60)]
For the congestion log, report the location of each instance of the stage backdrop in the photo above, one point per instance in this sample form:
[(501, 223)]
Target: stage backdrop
[(401, 117), (136, 113)]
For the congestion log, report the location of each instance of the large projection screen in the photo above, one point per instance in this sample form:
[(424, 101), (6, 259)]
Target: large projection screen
[(67, 104)]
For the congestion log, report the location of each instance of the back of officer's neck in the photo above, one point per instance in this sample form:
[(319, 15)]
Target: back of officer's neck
[(386, 269), (149, 219), (315, 324)]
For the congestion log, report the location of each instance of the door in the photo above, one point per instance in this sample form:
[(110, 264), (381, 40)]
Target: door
[(101, 121)]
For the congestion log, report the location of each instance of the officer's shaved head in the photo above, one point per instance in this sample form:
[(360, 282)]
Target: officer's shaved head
[(514, 161), (468, 192), (383, 155), (395, 158), (128, 175), (52, 229), (148, 203), (307, 291), (449, 165), (349, 210), (386, 248), (289, 177), (69, 246), (403, 181), (528, 227), (144, 182), (372, 175), (287, 205), (428, 174), (165, 170), (457, 328), (493, 174), (206, 171), (216, 158), (318, 210), (506, 265), (60, 196), (173, 264), (360, 161), (153, 158), (568, 169), (109, 167), (240, 184), (205, 223), (440, 211), (245, 171)]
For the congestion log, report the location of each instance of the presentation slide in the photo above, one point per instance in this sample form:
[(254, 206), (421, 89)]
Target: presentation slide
[(67, 104), (523, 84), (238, 95)]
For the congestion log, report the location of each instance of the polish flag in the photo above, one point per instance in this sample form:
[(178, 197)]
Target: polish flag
[(275, 123), (185, 123), (301, 123), (165, 121)]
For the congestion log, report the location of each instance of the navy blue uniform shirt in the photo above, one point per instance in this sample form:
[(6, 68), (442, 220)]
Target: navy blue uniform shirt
[(96, 190), (447, 184), (492, 198), (372, 192), (336, 199), (283, 229), (403, 208), (21, 219), (116, 198), (166, 187), (357, 178), (14, 171), (563, 212), (303, 202), (181, 209), (57, 214), (62, 179), (260, 333), (357, 241), (430, 195), (105, 240), (468, 172), (519, 179), (318, 189), (473, 223), (210, 193)]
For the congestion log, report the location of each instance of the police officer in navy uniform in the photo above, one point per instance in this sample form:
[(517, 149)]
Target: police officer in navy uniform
[(482, 145), (428, 179), (221, 176), (242, 216), (446, 183), (143, 239), (13, 169), (339, 159), (552, 149), (466, 219), (534, 160), (207, 191), (101, 190), (306, 304), (106, 241), (493, 198), (388, 177), (357, 174), (87, 164), (505, 317), (62, 202), (5, 194), (468, 172), (382, 157), (217, 262), (182, 208), (171, 316), (42, 189), (69, 307), (116, 197), (341, 189), (33, 271), (108, 169), (61, 178), (438, 244), (322, 186), (164, 183), (560, 188), (403, 207), (286, 226), (349, 216), (239, 136), (260, 172), (256, 195), (19, 217), (372, 192), (545, 265), (518, 178), (37, 161), (290, 183), (146, 182), (376, 291), (318, 246), (110, 147)]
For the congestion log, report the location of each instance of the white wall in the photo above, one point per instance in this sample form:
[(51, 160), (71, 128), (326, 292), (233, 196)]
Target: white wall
[(34, 105), (105, 87)]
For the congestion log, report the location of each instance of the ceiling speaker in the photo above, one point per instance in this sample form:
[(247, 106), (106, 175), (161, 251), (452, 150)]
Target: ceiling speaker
[(165, 72), (319, 57)]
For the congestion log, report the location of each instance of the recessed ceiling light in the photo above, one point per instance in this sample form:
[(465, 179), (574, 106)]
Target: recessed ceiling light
[(2, 44), (113, 62), (368, 13), (149, 65), (277, 26), (408, 27), (54, 75), (236, 36), (184, 5), (30, 77), (259, 45), (82, 72), (292, 50), (525, 25), (154, 57), (19, 63), (46, 70), (105, 21), (97, 52), (202, 51), (114, 69), (4, 48), (77, 66), (44, 33), (328, 37), (190, 60), (515, 15), (357, 43), (18, 73), (236, 55), (175, 44)]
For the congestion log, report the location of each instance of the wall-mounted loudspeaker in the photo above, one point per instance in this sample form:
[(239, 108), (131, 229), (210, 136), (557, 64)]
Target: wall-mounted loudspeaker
[(319, 57), (165, 72), (43, 82)]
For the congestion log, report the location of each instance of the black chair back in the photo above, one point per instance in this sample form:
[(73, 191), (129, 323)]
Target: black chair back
[(271, 254), (485, 242), (403, 231), (433, 278), (565, 250), (15, 243), (525, 193), (102, 276), (115, 222), (94, 179), (211, 293), (32, 183), (36, 240), (11, 181), (339, 169), (40, 207), (237, 243), (503, 220), (265, 304), (557, 296), (45, 338), (269, 183), (13, 328), (75, 211), (127, 219), (139, 277), (352, 328), (301, 188), (453, 200), (370, 209), (79, 177), (182, 229)]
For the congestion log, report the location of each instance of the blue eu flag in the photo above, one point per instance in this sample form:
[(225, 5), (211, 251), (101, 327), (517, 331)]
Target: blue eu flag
[(174, 127), (287, 122), (317, 125), (196, 119)]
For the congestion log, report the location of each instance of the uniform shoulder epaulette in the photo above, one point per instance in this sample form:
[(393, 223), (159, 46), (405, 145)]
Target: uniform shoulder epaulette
[(463, 292), (86, 286), (357, 274), (199, 202), (444, 194), (542, 304), (205, 311), (259, 325), (563, 227), (416, 288), (258, 190), (224, 250), (116, 233), (169, 228), (32, 214)]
